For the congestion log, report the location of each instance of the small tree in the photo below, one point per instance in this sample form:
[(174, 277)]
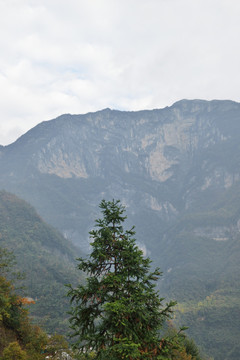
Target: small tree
[(14, 352), (118, 312)]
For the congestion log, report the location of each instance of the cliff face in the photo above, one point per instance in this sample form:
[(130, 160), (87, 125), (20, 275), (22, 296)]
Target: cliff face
[(150, 143)]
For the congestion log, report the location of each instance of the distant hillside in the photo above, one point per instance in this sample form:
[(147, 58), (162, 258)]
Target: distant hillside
[(176, 169), (43, 255), (204, 277)]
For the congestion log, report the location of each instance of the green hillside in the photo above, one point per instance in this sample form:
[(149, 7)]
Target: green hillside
[(205, 276), (44, 256)]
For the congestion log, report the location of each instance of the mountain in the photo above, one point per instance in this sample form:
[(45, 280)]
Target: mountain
[(45, 258), (177, 171)]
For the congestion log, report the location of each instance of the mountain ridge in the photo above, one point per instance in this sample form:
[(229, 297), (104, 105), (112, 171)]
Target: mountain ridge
[(105, 110)]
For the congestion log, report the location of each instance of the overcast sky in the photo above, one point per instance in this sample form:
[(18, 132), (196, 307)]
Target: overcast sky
[(76, 56)]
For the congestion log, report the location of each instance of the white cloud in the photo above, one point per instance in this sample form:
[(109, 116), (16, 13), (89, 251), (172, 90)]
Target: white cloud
[(79, 56)]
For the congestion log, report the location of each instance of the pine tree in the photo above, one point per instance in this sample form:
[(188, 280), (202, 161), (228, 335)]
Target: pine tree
[(117, 313)]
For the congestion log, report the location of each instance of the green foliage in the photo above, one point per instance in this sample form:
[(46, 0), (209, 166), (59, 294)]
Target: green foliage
[(6, 261), (14, 323), (56, 343), (10, 306), (214, 322), (14, 352), (174, 345), (19, 339), (47, 259), (118, 312), (205, 278), (7, 299)]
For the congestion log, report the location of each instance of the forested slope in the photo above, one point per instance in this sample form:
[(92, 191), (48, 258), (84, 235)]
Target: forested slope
[(44, 256)]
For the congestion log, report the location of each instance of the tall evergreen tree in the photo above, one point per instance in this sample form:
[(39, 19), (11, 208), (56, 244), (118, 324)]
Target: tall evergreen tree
[(117, 313)]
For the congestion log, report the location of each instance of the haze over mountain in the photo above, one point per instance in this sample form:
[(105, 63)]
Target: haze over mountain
[(177, 171)]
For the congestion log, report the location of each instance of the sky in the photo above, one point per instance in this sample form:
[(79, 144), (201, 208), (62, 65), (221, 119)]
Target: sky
[(77, 56)]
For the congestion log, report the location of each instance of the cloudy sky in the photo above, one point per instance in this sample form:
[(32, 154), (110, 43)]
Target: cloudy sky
[(76, 56)]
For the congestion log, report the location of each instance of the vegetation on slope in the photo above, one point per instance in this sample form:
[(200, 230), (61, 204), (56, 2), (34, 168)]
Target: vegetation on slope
[(19, 339), (205, 278), (46, 258)]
